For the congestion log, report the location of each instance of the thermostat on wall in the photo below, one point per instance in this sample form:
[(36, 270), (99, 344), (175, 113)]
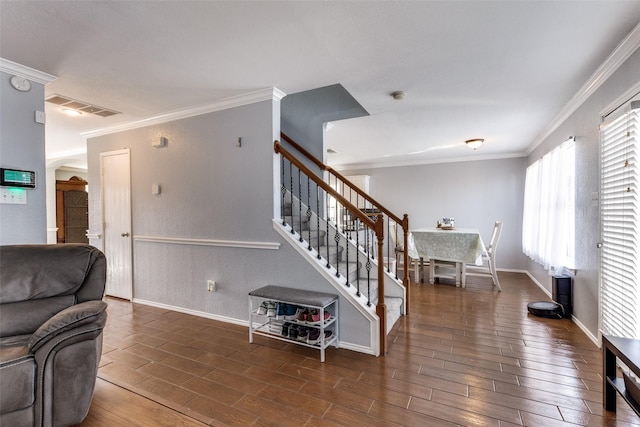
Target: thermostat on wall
[(17, 178)]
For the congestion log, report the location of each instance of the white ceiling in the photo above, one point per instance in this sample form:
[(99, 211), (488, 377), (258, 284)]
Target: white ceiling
[(499, 70)]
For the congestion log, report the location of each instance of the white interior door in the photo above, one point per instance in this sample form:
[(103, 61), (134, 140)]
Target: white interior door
[(116, 217)]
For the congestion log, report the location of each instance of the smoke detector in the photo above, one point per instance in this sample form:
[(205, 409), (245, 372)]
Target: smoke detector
[(398, 95)]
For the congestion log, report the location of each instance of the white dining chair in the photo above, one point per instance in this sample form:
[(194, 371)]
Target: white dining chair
[(398, 244), (488, 269)]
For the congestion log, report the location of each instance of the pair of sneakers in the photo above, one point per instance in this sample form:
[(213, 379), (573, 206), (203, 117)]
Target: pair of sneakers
[(304, 333), (295, 332), (312, 317), (267, 308), (278, 310), (314, 336)]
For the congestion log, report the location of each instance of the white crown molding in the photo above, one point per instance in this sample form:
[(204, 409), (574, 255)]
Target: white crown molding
[(26, 72), (617, 103), (270, 94), (377, 165), (620, 54)]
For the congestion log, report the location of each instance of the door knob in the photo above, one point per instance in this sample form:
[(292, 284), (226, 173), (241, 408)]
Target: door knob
[(125, 234)]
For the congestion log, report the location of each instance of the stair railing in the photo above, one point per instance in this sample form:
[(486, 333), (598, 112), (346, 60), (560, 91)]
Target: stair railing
[(296, 182), (396, 245)]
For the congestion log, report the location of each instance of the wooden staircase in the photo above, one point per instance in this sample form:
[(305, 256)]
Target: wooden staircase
[(350, 245)]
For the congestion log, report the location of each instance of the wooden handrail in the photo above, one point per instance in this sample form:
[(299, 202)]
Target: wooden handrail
[(377, 226), (332, 171)]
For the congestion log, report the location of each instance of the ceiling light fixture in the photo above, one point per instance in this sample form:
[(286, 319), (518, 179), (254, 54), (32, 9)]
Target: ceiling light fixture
[(71, 112), (474, 143), (398, 95)]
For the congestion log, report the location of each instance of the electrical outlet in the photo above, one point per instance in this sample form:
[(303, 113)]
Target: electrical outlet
[(211, 286)]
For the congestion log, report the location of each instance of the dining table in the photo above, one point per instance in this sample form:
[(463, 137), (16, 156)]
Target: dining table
[(453, 245)]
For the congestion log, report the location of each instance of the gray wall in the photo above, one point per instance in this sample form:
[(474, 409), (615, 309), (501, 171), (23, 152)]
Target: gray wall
[(211, 190), (22, 147), (475, 193), (584, 125), (304, 114)]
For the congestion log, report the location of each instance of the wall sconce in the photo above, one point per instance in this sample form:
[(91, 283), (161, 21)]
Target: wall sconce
[(474, 143)]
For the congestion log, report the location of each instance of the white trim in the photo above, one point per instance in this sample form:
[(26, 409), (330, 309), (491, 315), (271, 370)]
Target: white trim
[(197, 313), (586, 331), (270, 94), (234, 321), (26, 72), (94, 235), (358, 348), (545, 290), (621, 100), (418, 162), (620, 54), (208, 242)]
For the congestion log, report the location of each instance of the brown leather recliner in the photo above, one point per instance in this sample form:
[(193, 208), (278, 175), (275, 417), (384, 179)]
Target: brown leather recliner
[(51, 321)]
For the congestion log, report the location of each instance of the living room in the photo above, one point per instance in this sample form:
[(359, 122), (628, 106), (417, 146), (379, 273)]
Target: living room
[(215, 192)]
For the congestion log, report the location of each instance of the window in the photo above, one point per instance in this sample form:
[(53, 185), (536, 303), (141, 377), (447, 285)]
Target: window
[(620, 234), (548, 230)]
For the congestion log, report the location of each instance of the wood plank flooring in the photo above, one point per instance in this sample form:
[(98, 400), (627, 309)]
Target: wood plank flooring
[(463, 357)]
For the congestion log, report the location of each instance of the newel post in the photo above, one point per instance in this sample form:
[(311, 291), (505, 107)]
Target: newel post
[(405, 254), (381, 308)]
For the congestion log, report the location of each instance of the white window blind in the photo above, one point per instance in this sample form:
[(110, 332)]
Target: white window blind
[(620, 221)]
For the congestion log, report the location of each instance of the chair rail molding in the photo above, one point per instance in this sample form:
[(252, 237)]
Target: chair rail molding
[(208, 242)]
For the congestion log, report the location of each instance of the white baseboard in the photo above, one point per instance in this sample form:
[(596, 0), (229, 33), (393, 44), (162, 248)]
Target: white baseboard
[(346, 345), (193, 312), (545, 290)]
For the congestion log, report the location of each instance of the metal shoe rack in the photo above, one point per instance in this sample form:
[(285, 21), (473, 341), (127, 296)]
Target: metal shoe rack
[(271, 326)]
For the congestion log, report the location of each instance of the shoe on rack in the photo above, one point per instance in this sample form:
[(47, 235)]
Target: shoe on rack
[(280, 309), (303, 334), (285, 329), (314, 336), (271, 309), (315, 317), (293, 332), (262, 310), (290, 311), (303, 315)]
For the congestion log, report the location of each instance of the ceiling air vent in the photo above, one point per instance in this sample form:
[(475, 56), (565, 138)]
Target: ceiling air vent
[(82, 107)]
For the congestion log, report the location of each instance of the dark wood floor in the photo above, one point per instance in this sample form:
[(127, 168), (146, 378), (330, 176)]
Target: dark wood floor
[(471, 357)]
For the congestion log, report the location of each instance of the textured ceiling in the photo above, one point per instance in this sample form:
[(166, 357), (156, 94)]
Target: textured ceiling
[(499, 70)]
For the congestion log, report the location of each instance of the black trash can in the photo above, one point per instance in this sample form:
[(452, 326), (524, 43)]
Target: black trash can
[(562, 293)]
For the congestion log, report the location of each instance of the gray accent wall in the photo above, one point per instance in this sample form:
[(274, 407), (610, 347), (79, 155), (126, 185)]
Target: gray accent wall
[(584, 125), (475, 193), (22, 147), (305, 113), (211, 190)]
